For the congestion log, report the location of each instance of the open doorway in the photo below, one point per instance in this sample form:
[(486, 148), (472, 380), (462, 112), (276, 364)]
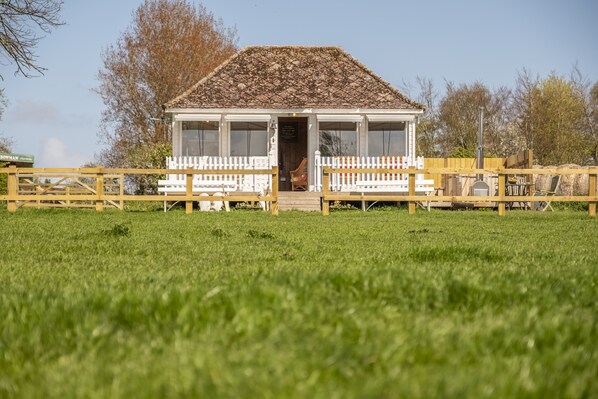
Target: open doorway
[(292, 148)]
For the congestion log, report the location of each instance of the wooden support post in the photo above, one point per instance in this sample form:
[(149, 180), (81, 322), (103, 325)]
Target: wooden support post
[(12, 188), (189, 192), (502, 186), (412, 204), (121, 191), (325, 191), (274, 203), (100, 189), (38, 191), (593, 182), (530, 178)]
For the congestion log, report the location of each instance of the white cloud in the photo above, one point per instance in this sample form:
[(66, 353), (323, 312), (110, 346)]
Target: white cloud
[(55, 154)]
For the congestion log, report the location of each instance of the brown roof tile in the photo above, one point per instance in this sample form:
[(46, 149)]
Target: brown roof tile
[(283, 77)]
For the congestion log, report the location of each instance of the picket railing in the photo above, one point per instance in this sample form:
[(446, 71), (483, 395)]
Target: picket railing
[(350, 181), (256, 183), (42, 187), (501, 196)]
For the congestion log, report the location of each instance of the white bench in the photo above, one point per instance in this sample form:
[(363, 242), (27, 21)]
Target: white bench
[(174, 187), (423, 186)]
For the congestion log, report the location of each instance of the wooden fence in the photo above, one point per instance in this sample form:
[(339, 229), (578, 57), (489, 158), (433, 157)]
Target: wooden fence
[(500, 198), (100, 187), (444, 181)]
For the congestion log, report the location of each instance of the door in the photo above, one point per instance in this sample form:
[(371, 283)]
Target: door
[(292, 148)]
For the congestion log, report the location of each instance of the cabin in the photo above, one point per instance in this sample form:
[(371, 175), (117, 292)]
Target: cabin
[(296, 107)]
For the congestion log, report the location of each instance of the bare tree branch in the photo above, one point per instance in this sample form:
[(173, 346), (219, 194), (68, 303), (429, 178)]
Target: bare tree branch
[(23, 24)]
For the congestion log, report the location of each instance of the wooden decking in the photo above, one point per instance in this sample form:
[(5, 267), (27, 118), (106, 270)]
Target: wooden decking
[(299, 200)]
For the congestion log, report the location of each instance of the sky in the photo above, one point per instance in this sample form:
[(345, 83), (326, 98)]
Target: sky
[(56, 117)]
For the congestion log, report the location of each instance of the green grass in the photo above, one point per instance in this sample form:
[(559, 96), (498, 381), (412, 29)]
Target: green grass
[(377, 304)]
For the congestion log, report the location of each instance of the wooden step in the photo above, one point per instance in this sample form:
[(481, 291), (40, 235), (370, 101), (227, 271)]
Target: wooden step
[(297, 200)]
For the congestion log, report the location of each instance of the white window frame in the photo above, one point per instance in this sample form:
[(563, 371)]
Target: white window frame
[(357, 119)]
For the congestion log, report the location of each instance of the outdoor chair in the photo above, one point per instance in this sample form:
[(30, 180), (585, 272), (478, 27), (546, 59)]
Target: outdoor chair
[(299, 176), (554, 186)]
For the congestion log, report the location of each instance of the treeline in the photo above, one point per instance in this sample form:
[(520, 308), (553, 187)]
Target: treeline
[(556, 116)]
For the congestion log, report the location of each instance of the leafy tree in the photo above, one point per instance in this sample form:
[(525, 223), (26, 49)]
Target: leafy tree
[(458, 120), (20, 24), (169, 46), (550, 118)]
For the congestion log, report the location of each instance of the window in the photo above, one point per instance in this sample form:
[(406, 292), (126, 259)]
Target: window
[(338, 138), (387, 139), (248, 139), (200, 139)]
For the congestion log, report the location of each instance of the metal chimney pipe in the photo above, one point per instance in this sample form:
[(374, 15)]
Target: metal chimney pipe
[(480, 149)]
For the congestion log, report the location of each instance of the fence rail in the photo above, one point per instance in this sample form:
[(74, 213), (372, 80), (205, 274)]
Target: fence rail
[(501, 198), (96, 187)]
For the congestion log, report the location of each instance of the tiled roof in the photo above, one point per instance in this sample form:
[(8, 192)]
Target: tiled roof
[(277, 77)]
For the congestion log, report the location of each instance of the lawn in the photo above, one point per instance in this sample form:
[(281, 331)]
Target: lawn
[(246, 305)]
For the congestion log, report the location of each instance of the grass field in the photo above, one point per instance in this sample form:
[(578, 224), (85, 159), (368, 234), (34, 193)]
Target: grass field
[(377, 304)]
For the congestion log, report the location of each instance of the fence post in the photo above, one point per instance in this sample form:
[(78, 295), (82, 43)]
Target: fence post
[(189, 191), (38, 190), (99, 189), (502, 186), (325, 188), (12, 188), (592, 191), (412, 204), (274, 203), (121, 191)]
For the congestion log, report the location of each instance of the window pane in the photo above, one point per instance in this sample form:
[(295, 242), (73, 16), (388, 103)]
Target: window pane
[(248, 139), (386, 139), (200, 139), (338, 138)]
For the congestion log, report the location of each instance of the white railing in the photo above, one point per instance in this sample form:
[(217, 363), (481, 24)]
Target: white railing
[(245, 183), (356, 182)]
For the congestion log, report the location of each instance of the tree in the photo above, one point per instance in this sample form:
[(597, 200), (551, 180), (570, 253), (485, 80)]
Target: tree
[(169, 46), (20, 24), (550, 118), (427, 127), (5, 143), (592, 113), (458, 120)]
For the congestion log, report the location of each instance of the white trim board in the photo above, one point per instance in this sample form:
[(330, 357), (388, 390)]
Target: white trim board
[(340, 118), (197, 117), (391, 118), (247, 118)]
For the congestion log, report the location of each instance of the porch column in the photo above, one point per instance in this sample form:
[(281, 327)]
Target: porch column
[(312, 147)]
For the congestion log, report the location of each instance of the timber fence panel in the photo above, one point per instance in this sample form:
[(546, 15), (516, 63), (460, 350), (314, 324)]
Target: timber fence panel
[(501, 198), (100, 187)]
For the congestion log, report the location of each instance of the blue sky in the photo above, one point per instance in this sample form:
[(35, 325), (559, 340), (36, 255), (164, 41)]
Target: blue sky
[(56, 116)]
